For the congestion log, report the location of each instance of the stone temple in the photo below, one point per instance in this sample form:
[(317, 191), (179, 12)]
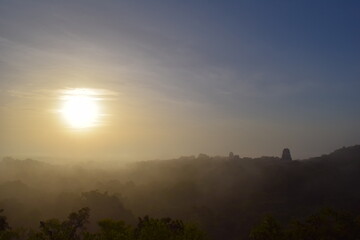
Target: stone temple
[(286, 155)]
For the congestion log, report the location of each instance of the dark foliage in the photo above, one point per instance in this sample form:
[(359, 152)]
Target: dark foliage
[(326, 224), (74, 228), (3, 222), (225, 195)]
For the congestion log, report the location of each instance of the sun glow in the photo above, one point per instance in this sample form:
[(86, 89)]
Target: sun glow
[(80, 108)]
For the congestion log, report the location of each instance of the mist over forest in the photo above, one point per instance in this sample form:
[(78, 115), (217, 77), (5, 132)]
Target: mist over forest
[(225, 196), (91, 92)]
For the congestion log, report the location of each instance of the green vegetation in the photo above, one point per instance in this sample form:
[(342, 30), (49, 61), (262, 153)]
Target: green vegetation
[(74, 228), (226, 196), (325, 225)]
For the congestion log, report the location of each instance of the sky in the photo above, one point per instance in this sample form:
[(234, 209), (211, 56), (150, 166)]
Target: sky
[(179, 78)]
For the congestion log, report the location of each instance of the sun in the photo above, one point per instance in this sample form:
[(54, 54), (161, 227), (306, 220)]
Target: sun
[(80, 108)]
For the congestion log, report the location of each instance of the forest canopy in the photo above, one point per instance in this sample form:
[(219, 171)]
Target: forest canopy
[(224, 196)]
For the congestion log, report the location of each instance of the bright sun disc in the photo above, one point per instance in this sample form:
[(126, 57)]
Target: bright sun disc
[(80, 108)]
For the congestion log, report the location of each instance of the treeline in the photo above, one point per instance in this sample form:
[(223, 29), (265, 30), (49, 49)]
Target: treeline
[(225, 196), (74, 228), (327, 224)]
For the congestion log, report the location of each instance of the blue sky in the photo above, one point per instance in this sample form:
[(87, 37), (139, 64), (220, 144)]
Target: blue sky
[(190, 76)]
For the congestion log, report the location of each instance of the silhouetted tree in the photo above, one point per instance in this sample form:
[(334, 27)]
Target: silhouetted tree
[(114, 230), (71, 229), (166, 229), (268, 229), (326, 224), (3, 222)]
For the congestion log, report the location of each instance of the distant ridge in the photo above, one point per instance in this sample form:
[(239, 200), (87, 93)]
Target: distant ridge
[(347, 151), (343, 154)]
